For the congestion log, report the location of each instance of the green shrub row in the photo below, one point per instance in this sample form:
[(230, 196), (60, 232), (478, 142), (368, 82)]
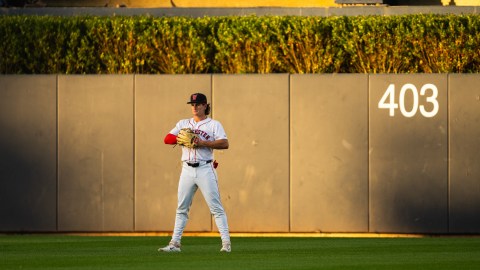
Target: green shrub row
[(251, 44)]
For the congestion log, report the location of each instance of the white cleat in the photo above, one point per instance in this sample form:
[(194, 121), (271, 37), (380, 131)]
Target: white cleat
[(173, 246), (226, 247)]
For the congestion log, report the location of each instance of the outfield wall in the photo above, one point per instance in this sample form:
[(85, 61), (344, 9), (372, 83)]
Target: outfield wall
[(308, 153)]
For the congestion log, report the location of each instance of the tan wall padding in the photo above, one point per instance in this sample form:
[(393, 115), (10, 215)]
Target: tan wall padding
[(379, 153), (464, 100), (329, 140), (408, 153), (28, 153), (95, 153)]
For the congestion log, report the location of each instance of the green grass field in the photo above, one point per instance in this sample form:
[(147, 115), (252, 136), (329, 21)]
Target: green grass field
[(133, 252)]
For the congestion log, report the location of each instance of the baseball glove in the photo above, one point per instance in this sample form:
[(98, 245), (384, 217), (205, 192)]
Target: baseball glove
[(187, 138)]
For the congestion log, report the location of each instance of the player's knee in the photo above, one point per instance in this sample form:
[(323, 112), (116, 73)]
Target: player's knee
[(182, 212), (217, 211)]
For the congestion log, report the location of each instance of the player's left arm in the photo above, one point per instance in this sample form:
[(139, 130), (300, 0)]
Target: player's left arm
[(219, 141), (217, 144)]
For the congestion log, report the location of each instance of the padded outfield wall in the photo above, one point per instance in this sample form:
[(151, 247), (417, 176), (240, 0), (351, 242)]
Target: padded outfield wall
[(308, 153)]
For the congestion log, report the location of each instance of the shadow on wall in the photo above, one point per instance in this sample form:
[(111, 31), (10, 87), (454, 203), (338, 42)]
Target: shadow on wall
[(28, 188), (408, 176), (28, 162), (405, 204)]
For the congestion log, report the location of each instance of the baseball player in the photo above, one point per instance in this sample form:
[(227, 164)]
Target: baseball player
[(198, 136)]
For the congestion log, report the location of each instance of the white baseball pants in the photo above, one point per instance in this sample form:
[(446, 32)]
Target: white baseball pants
[(205, 178)]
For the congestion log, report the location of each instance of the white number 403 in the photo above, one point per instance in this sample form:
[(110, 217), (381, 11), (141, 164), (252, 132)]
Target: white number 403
[(429, 91)]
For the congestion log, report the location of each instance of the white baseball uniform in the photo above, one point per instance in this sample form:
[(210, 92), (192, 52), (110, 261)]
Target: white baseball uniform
[(198, 172)]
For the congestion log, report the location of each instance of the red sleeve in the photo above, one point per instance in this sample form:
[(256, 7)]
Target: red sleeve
[(170, 139)]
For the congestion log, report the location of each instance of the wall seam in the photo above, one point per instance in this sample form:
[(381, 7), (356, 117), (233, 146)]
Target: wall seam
[(369, 204), (448, 153), (289, 109), (134, 161), (58, 152)]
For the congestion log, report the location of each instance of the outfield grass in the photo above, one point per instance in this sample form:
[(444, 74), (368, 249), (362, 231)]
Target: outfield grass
[(128, 252)]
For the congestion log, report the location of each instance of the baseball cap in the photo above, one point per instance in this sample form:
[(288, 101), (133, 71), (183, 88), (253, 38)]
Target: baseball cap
[(197, 98)]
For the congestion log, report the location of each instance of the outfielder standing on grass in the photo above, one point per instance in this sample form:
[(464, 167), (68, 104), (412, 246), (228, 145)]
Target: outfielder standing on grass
[(198, 136)]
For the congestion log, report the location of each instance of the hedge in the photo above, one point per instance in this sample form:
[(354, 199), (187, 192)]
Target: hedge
[(231, 45)]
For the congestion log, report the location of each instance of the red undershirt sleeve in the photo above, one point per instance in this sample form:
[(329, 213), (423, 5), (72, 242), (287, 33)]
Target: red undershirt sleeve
[(170, 139)]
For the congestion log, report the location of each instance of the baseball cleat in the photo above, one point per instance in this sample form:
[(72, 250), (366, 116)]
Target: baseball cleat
[(226, 247), (173, 246)]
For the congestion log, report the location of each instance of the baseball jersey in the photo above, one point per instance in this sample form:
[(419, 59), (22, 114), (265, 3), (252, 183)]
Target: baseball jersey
[(207, 130)]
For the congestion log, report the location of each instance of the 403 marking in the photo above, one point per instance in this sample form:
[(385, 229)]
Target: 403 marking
[(428, 91)]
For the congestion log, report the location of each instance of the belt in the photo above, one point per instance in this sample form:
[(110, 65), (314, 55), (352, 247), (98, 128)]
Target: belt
[(196, 164)]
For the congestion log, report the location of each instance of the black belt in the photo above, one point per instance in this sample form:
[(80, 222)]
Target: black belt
[(196, 164)]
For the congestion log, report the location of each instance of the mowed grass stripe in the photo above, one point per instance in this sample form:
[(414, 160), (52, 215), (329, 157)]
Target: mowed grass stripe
[(113, 252)]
